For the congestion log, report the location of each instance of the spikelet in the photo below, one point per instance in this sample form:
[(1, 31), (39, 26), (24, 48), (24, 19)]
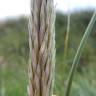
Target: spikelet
[(42, 48)]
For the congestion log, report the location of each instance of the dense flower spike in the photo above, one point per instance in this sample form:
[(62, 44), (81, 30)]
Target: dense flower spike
[(42, 48)]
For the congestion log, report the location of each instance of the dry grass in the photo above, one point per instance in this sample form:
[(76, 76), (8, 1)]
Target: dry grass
[(42, 48)]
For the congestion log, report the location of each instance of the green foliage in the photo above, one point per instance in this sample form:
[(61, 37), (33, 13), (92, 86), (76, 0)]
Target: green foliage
[(79, 51)]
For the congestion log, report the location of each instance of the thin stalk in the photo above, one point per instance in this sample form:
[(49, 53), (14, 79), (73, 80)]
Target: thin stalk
[(67, 37), (79, 50), (66, 42)]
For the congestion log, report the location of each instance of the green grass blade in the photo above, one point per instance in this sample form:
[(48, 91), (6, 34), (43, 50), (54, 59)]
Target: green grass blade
[(78, 54)]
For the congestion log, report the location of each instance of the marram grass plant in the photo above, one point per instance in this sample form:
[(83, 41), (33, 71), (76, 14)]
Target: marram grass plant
[(42, 48), (79, 51)]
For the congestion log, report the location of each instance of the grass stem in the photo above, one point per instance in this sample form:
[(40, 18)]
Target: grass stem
[(78, 54)]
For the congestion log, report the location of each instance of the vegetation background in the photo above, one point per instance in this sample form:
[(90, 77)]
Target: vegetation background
[(14, 51)]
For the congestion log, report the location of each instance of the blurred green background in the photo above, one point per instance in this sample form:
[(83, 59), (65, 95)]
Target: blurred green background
[(14, 51)]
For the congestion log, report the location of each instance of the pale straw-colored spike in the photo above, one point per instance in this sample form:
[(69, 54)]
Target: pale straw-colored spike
[(42, 48)]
